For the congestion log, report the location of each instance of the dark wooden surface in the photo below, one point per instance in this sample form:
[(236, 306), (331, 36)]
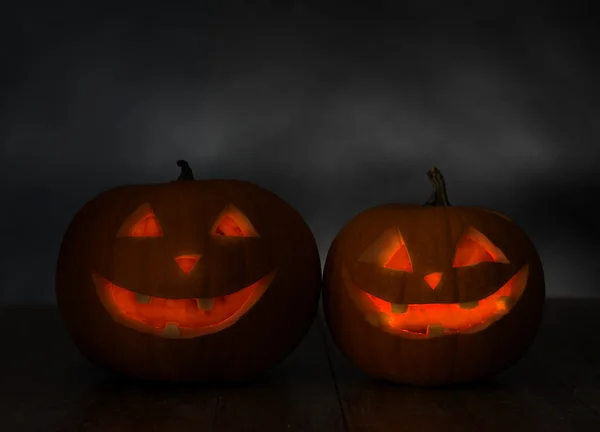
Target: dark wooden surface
[(45, 385)]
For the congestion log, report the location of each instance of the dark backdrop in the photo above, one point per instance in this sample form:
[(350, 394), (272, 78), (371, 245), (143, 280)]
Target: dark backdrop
[(335, 108)]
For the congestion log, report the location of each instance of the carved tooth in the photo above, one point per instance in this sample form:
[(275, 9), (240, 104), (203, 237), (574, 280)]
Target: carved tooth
[(205, 303), (399, 308), (142, 298), (374, 319), (505, 303), (435, 330), (469, 305), (171, 331)]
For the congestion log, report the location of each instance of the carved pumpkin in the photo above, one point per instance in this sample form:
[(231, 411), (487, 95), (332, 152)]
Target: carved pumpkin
[(188, 280), (432, 294)]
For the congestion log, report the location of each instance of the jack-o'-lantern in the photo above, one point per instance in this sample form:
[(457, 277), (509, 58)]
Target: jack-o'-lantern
[(432, 294), (188, 280)]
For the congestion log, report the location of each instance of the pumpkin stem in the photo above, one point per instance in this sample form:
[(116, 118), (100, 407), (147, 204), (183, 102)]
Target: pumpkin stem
[(439, 196), (186, 171)]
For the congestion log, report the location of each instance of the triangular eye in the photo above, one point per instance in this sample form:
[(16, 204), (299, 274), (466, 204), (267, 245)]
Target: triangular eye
[(148, 226), (400, 260), (474, 248), (389, 251), (233, 223), (141, 223)]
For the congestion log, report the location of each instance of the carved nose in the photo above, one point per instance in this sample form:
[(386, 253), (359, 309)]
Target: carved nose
[(187, 262), (433, 279)]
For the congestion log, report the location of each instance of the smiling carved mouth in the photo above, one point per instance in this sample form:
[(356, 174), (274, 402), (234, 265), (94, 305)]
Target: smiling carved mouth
[(439, 319), (178, 318)]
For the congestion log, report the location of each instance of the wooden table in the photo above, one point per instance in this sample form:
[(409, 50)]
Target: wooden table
[(45, 385)]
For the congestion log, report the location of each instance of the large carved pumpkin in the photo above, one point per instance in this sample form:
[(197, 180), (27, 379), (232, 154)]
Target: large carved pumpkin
[(432, 294), (188, 280)]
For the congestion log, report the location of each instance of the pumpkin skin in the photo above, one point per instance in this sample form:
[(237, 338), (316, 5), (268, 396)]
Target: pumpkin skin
[(432, 295), (188, 280)]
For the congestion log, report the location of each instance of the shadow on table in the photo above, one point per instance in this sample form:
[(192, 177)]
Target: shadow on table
[(51, 387)]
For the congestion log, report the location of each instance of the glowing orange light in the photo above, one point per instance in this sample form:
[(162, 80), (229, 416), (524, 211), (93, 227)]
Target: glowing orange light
[(233, 223), (469, 252), (228, 227), (433, 279), (154, 315), (147, 226), (451, 316), (187, 262), (475, 248), (400, 260)]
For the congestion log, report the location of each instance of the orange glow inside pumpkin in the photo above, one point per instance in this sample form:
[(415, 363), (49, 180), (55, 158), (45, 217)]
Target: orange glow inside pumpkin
[(433, 279), (452, 317), (187, 262), (474, 248), (184, 312), (399, 260), (154, 315), (233, 223), (146, 226), (228, 227), (389, 251)]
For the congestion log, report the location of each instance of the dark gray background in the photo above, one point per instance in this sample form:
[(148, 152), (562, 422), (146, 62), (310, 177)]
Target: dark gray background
[(334, 108)]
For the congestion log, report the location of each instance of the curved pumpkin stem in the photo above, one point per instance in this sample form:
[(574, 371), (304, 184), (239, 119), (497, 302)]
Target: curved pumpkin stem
[(439, 196), (186, 171)]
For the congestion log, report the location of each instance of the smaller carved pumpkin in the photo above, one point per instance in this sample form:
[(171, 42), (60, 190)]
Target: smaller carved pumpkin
[(432, 294), (188, 280)]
